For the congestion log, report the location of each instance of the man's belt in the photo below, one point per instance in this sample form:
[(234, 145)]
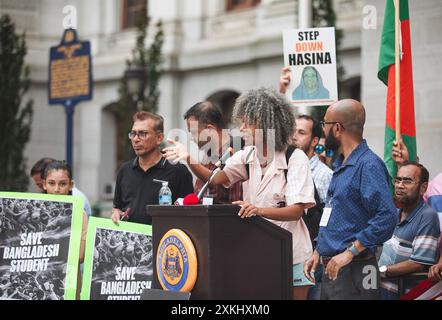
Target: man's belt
[(364, 255)]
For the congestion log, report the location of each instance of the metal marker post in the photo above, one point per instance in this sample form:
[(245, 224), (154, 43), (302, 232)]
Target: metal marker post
[(70, 80), (69, 109)]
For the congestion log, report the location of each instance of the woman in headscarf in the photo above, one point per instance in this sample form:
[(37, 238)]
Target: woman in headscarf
[(311, 86)]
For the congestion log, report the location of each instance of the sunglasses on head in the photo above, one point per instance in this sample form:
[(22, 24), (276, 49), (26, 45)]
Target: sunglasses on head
[(320, 149)]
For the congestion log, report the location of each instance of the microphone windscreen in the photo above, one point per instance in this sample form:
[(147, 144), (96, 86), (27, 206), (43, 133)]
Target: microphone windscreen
[(191, 199)]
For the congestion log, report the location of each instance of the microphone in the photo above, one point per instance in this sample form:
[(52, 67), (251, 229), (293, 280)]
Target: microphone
[(191, 199), (218, 165), (206, 185), (224, 157)]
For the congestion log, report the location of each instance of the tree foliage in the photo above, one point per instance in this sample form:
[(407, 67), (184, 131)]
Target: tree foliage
[(324, 16), (15, 115), (150, 59)]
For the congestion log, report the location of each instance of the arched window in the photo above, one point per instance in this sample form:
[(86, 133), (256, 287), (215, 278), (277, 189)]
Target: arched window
[(350, 88), (132, 11), (110, 151), (225, 99)]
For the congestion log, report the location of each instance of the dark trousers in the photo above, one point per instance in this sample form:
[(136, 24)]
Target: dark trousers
[(352, 282)]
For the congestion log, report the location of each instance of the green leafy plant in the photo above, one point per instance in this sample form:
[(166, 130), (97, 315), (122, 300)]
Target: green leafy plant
[(150, 59), (15, 115)]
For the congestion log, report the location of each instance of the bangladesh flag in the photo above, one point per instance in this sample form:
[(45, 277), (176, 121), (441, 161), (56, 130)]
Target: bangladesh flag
[(386, 74)]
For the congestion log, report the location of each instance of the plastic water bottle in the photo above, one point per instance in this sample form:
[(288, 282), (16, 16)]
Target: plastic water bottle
[(165, 195)]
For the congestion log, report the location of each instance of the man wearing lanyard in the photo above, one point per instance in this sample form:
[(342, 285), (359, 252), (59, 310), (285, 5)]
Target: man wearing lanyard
[(359, 215)]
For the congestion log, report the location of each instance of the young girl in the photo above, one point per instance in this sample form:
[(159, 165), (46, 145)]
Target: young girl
[(267, 127), (57, 179)]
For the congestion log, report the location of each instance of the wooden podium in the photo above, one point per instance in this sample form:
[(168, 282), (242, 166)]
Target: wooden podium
[(237, 258)]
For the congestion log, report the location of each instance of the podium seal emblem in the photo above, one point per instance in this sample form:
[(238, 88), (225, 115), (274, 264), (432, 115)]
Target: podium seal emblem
[(176, 262)]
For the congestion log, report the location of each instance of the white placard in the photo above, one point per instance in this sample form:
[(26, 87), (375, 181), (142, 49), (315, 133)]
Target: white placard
[(311, 56)]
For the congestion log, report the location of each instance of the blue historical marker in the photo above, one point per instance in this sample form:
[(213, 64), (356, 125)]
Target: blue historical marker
[(70, 79)]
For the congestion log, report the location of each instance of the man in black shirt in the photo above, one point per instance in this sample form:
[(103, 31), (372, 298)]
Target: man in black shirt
[(135, 187)]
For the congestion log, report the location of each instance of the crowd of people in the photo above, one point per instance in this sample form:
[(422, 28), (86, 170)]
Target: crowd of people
[(341, 214)]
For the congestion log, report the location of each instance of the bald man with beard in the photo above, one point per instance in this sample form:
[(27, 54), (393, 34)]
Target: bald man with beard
[(359, 215)]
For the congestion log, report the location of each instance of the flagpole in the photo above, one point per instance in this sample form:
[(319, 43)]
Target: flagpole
[(305, 20), (397, 34)]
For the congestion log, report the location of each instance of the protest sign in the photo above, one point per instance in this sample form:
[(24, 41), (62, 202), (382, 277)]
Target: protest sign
[(39, 246), (118, 260), (311, 56)]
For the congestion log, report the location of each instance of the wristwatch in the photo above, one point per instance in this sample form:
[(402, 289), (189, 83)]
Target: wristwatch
[(353, 250), (383, 271)]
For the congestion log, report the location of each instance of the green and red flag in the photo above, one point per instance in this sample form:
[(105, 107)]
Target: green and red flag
[(386, 74)]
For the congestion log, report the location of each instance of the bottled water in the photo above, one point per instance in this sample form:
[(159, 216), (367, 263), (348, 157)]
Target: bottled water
[(165, 195)]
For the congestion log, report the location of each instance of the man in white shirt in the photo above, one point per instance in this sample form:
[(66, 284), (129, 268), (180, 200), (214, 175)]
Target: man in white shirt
[(307, 134), (306, 137)]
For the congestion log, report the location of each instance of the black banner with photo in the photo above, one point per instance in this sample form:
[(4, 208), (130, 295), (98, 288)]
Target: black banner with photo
[(39, 246), (118, 260)]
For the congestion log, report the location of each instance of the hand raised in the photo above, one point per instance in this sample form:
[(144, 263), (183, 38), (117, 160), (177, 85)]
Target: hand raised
[(399, 152), (284, 80), (176, 152)]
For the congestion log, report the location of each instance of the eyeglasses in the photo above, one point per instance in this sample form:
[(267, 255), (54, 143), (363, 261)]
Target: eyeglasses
[(320, 149), (405, 181), (323, 123), (140, 134)]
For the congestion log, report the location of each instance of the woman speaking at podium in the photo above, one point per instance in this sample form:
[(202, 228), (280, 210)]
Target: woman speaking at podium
[(277, 182)]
